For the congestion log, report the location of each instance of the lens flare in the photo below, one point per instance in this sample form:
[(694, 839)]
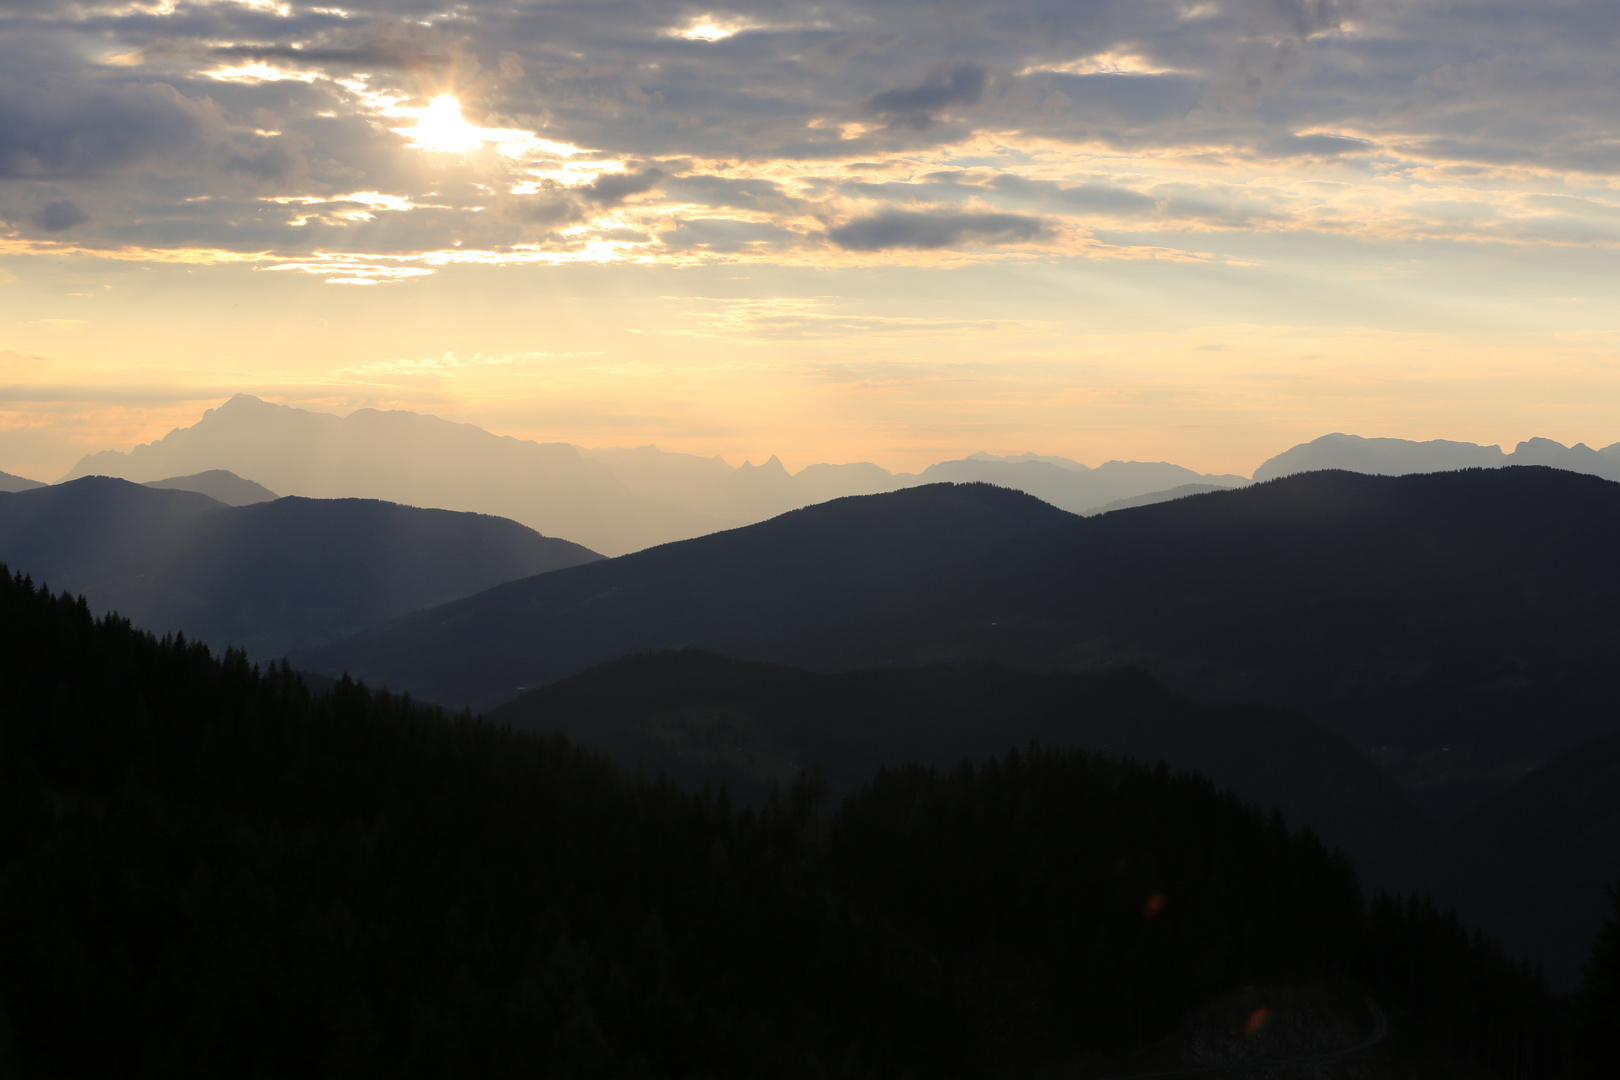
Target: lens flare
[(1256, 1022)]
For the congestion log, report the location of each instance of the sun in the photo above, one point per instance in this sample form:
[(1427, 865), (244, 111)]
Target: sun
[(441, 127)]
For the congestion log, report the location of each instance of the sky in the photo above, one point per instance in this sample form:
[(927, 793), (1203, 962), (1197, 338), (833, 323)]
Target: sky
[(1189, 230)]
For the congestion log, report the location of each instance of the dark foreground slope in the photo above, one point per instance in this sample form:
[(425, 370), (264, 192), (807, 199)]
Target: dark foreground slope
[(1532, 865), (706, 719), (267, 577), (206, 872), (1458, 625)]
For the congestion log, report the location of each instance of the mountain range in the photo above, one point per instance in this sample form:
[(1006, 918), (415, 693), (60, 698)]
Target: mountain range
[(619, 500), (613, 501), (1455, 625), (267, 576), (1398, 457), (1455, 628)]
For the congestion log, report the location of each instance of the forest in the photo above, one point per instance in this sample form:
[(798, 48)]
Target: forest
[(207, 869)]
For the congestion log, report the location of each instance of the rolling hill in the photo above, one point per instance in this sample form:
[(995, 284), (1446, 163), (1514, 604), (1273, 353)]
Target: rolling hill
[(267, 577), (847, 583), (1455, 625), (704, 719)]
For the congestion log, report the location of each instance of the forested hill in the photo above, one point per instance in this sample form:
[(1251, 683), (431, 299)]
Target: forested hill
[(205, 871), (706, 719), (267, 577), (1459, 625), (853, 582)]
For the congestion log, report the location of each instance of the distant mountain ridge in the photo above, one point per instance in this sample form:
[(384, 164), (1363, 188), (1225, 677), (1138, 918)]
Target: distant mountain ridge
[(221, 485), (9, 482), (611, 500), (410, 459), (1399, 457), (618, 500), (266, 577)]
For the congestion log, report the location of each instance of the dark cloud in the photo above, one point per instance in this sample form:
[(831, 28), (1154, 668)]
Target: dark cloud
[(60, 214), (915, 229), (63, 127), (914, 106), (1302, 18), (611, 189)]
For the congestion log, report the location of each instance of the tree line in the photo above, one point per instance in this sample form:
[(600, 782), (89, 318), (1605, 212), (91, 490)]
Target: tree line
[(207, 869)]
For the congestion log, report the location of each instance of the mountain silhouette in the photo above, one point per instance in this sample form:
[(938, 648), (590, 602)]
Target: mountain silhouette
[(841, 584), (704, 719), (219, 485), (752, 493), (9, 482), (1458, 626), (1398, 457), (1078, 491), (411, 459), (612, 500), (266, 577)]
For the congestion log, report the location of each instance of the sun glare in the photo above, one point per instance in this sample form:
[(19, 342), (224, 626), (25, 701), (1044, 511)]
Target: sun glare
[(441, 127)]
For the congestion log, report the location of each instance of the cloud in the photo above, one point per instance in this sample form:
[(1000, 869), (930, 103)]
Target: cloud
[(914, 106), (56, 127), (60, 214), (611, 189), (1239, 116), (918, 230)]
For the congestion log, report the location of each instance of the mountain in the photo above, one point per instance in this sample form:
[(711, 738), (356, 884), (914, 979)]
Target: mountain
[(208, 871), (17, 483), (752, 493), (1397, 457), (1179, 492), (219, 485), (705, 719), (1078, 491), (1457, 626), (411, 459), (837, 585), (612, 500), (1531, 865), (266, 577)]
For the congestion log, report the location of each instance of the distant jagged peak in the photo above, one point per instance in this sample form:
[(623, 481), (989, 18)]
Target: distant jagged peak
[(772, 464)]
